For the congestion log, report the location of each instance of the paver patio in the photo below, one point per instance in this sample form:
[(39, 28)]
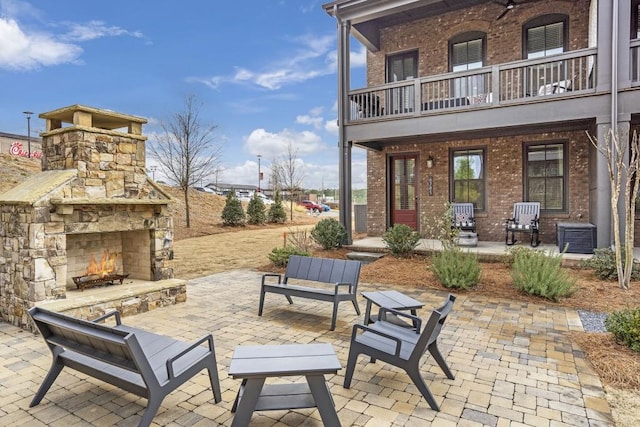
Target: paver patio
[(513, 362)]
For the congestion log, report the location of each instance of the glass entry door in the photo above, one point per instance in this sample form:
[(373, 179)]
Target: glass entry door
[(404, 190)]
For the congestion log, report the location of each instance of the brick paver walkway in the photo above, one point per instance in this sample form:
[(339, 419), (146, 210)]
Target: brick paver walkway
[(513, 362)]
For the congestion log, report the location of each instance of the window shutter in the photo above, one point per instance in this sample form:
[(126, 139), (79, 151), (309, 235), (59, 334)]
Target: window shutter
[(535, 40), (555, 36)]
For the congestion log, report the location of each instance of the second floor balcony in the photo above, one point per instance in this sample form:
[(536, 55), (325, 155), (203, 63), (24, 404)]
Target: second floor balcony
[(556, 77)]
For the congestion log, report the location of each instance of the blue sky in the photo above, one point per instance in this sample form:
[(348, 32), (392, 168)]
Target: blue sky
[(264, 71)]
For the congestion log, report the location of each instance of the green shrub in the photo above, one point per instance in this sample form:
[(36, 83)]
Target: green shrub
[(256, 212), (280, 256), (603, 262), (328, 233), (276, 214), (625, 327), (232, 214), (539, 273), (401, 240), (455, 268), (515, 251)]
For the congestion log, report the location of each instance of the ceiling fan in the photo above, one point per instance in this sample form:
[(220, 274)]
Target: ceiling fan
[(508, 6)]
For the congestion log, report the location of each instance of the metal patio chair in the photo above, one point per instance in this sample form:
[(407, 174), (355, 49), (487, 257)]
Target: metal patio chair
[(400, 346)]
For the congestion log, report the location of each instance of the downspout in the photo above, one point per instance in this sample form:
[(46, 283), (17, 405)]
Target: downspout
[(344, 169), (614, 66)]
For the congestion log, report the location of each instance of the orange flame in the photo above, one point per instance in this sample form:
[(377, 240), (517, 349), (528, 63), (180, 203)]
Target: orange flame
[(106, 266)]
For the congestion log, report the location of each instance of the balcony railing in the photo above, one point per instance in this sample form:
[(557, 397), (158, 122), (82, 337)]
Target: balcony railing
[(522, 81)]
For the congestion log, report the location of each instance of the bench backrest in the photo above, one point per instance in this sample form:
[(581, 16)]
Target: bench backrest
[(526, 212), (91, 339), (323, 270)]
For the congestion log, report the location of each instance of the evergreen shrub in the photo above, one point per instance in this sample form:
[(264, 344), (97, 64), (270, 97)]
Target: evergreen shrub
[(328, 233), (456, 268), (625, 327), (280, 256), (232, 214), (539, 273), (401, 240), (256, 211)]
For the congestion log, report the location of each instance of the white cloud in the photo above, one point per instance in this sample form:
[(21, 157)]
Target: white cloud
[(23, 48), (331, 126), (314, 118), (95, 29), (22, 51), (273, 145), (310, 56)]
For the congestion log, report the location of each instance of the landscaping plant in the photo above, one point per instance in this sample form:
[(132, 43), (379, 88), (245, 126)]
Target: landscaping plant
[(256, 212), (456, 268), (603, 262), (539, 273), (276, 214), (232, 214), (280, 256), (625, 327), (401, 240), (300, 240), (329, 233)]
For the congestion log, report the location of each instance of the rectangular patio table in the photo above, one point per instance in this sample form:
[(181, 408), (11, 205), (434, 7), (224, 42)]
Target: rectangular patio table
[(390, 299), (255, 363)]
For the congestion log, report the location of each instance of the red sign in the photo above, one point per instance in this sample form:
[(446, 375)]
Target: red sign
[(16, 150)]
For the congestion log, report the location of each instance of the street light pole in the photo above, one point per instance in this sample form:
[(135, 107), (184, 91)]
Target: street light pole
[(28, 113), (259, 172)]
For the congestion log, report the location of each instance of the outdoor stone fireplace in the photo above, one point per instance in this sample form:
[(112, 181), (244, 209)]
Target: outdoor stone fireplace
[(92, 202)]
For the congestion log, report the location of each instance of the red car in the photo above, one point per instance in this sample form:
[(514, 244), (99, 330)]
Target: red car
[(312, 206)]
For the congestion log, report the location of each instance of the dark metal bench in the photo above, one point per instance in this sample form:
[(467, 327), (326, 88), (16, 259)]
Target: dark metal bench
[(342, 274), (140, 362)]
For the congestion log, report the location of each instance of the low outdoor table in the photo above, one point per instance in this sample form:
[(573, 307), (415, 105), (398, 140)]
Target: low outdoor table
[(255, 363), (390, 299)]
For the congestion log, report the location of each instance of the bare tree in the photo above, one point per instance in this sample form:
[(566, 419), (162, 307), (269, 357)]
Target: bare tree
[(287, 173), (623, 164), (186, 150)]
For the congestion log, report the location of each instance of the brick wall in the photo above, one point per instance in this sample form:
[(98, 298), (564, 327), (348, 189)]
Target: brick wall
[(430, 36), (504, 181)]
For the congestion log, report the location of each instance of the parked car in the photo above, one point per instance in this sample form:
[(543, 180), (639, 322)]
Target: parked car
[(312, 206), (265, 199), (205, 190), (325, 208)]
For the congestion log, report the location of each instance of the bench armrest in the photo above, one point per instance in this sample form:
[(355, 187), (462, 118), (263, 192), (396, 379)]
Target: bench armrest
[(102, 318), (350, 285), (264, 277), (415, 319), (397, 341), (196, 344)]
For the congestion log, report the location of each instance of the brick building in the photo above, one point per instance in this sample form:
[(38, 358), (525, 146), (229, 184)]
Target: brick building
[(474, 101)]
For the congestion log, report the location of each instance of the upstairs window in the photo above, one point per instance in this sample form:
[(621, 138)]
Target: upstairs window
[(402, 66), (545, 35), (466, 51)]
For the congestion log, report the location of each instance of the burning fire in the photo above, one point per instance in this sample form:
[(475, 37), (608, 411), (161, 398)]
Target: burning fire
[(106, 266)]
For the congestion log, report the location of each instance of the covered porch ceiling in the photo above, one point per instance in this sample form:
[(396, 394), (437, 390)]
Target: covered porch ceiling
[(368, 17)]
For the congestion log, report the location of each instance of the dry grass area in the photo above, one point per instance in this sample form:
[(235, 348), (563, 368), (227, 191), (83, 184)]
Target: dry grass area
[(207, 247)]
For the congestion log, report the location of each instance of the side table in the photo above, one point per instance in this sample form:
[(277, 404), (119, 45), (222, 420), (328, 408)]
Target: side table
[(390, 299), (255, 363)]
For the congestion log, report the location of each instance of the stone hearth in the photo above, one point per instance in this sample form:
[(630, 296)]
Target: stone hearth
[(92, 196)]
